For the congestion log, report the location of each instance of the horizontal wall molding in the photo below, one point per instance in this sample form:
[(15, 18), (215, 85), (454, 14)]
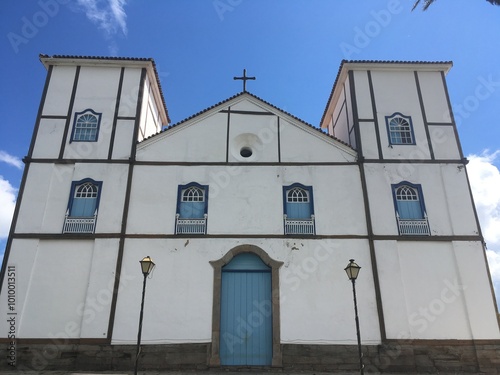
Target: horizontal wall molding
[(84, 236)]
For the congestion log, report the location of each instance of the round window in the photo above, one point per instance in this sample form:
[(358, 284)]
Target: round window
[(246, 152)]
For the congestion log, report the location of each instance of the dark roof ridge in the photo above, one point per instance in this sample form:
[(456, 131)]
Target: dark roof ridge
[(256, 97), (409, 62)]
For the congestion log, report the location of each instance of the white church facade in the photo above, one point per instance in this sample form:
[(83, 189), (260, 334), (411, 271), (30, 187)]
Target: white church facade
[(250, 215)]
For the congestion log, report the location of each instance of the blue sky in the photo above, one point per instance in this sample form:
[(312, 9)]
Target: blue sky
[(293, 47)]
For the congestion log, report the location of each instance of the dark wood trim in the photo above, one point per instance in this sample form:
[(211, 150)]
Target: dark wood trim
[(444, 238), (271, 164), (424, 115), (336, 119), (119, 258), (452, 116), (279, 139), (55, 117), (66, 236), (227, 132), (440, 124), (70, 111), (277, 359), (40, 111), (354, 103), (366, 120), (115, 115), (181, 163), (443, 342), (368, 218), (126, 205), (373, 255), (247, 112), (375, 118), (73, 161), (418, 161), (56, 341), (375, 237), (140, 98), (131, 118)]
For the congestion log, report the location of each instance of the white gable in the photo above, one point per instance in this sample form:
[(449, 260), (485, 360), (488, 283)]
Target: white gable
[(244, 129)]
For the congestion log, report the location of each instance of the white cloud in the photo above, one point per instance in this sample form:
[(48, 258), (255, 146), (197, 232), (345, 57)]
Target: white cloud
[(7, 202), (12, 160), (109, 16), (485, 183), (484, 178), (119, 14), (494, 263)]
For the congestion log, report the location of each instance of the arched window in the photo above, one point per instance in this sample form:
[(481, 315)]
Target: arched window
[(400, 129), (410, 209), (83, 204), (193, 194), (192, 203), (84, 199), (298, 203), (86, 126), (298, 209), (191, 215)]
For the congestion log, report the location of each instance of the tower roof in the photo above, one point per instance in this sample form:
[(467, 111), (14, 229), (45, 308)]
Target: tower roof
[(140, 62)]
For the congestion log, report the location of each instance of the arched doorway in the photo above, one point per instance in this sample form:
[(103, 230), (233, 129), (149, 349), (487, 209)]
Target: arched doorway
[(245, 323)]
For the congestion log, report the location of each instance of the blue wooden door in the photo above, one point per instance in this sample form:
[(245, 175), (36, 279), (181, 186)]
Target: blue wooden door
[(246, 312)]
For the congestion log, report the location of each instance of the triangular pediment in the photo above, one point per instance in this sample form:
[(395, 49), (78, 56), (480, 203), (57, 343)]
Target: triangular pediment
[(244, 128)]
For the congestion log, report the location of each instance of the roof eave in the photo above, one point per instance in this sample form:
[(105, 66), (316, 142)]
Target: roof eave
[(378, 65)]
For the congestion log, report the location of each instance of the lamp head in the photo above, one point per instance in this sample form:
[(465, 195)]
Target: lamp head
[(147, 265), (352, 270)]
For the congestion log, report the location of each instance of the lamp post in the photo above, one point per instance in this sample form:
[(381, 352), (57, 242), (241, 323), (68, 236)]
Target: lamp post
[(147, 266), (352, 271)]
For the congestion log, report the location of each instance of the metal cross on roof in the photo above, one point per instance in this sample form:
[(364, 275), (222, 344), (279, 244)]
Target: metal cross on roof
[(245, 79)]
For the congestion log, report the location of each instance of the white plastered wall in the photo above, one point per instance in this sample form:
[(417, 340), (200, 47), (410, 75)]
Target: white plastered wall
[(247, 199), (55, 279), (446, 196), (179, 294), (435, 290), (97, 88), (47, 193)]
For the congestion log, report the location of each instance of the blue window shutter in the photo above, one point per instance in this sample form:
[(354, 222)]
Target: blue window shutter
[(298, 210), (409, 201), (192, 210), (410, 210), (84, 198), (298, 201), (83, 207), (192, 201)]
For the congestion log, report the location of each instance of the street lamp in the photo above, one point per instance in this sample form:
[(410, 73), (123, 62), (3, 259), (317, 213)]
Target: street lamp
[(147, 266), (352, 271)]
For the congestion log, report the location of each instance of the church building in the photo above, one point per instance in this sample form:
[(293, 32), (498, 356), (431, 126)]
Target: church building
[(251, 216)]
